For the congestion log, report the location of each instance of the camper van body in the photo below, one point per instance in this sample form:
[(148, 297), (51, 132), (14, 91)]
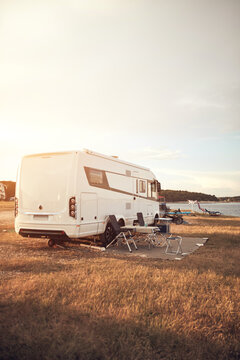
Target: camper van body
[(73, 193)]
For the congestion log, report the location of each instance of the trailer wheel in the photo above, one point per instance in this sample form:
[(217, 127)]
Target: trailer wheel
[(178, 220), (51, 242), (108, 234)]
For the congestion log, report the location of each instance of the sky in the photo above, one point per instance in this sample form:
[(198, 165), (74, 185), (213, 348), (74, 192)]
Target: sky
[(155, 82)]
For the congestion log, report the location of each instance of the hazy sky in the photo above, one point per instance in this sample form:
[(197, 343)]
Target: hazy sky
[(156, 82)]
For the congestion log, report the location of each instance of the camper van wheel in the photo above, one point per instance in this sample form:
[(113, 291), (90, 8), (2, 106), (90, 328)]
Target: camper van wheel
[(108, 234), (51, 242)]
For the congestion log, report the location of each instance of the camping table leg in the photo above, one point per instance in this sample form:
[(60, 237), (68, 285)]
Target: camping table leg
[(126, 241)]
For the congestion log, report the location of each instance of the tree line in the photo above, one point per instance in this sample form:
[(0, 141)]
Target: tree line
[(170, 195), (181, 195), (10, 188)]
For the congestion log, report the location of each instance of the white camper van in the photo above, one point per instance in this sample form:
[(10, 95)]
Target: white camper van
[(71, 194)]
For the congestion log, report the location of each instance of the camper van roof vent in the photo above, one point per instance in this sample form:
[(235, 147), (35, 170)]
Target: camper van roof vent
[(88, 151)]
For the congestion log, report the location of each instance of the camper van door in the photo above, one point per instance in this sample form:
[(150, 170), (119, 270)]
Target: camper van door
[(88, 214)]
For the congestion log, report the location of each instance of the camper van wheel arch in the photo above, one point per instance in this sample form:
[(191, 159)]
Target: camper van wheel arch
[(51, 242), (108, 234), (121, 222)]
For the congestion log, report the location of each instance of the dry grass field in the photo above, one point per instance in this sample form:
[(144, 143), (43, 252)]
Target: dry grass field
[(83, 304)]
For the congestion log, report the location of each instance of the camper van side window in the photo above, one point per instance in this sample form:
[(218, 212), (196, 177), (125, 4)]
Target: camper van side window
[(142, 186), (136, 186), (96, 177)]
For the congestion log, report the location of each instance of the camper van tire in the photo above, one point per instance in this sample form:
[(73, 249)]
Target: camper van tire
[(51, 242), (108, 234)]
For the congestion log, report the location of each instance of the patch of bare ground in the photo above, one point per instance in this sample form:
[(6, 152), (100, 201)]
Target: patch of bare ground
[(78, 303)]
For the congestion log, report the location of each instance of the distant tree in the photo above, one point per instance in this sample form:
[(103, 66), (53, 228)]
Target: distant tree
[(10, 188), (229, 198)]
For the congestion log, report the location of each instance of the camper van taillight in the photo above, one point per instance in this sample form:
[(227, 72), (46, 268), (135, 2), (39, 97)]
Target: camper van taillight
[(16, 206), (72, 207)]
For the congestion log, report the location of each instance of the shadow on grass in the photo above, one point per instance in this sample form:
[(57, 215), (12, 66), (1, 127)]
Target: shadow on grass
[(31, 330)]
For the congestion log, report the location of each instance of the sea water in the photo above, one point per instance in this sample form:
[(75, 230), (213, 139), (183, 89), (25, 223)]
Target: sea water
[(230, 209)]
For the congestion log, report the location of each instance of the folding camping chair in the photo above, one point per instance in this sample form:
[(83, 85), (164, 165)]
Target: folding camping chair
[(123, 234), (169, 240), (140, 219)]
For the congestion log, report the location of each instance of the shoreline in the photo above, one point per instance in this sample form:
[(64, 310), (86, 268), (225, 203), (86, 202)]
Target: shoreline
[(204, 202)]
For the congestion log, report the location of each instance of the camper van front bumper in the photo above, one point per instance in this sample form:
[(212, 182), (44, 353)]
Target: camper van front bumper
[(37, 233)]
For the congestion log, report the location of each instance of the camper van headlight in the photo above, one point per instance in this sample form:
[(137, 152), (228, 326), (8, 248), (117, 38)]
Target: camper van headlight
[(72, 207), (16, 206)]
